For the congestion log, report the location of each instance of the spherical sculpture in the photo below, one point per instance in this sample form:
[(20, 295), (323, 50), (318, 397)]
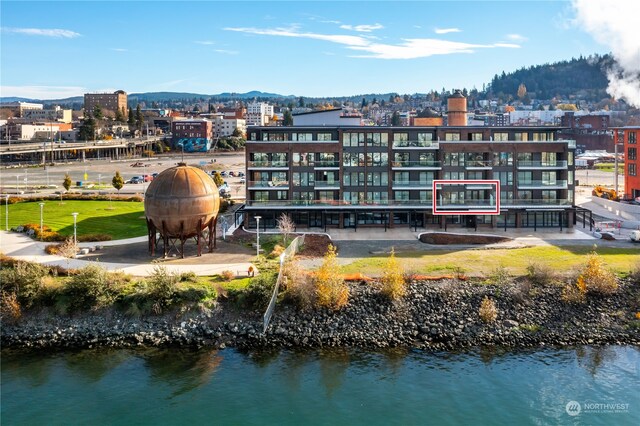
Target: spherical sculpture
[(180, 203)]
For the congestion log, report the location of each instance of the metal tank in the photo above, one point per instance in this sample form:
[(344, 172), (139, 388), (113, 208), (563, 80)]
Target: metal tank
[(180, 203), (457, 109)]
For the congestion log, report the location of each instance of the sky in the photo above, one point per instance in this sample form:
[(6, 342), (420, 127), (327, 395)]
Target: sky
[(57, 49)]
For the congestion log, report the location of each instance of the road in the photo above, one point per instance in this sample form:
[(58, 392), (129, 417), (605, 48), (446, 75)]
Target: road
[(100, 172)]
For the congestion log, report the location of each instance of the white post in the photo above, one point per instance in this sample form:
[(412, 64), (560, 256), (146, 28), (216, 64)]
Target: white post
[(6, 213), (75, 217), (41, 221), (99, 179), (17, 186), (258, 235)]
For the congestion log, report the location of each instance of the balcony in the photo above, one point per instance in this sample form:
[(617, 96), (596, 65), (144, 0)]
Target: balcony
[(467, 204), (319, 184), (327, 165), (478, 165), (532, 204), (270, 165), (541, 165), (542, 184), (268, 184), (411, 184), (536, 203), (415, 145), (416, 165)]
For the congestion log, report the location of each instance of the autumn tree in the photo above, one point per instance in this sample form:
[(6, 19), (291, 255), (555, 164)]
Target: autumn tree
[(218, 180), (393, 283), (331, 289), (67, 182), (117, 182)]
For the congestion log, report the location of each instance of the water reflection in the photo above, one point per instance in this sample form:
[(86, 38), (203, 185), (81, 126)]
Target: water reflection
[(94, 364), (333, 365), (592, 358)]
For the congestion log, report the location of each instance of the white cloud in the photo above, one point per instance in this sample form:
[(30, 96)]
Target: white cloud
[(118, 49), (53, 32), (615, 26), (362, 28), (447, 30), (226, 52), (408, 49), (517, 37), (42, 92), (205, 42)]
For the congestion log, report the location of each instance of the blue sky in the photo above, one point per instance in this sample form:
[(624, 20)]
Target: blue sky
[(57, 49)]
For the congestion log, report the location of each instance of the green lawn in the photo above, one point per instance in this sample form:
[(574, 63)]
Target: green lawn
[(482, 262), (120, 219)]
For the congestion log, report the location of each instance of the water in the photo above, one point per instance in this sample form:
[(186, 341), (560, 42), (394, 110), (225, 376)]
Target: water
[(351, 387)]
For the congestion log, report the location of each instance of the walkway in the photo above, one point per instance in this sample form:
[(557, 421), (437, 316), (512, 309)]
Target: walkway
[(20, 246)]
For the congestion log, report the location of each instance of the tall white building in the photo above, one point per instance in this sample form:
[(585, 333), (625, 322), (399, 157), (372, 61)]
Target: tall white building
[(225, 126), (259, 114)]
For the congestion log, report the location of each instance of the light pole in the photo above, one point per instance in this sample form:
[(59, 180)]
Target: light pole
[(75, 220), (6, 212), (258, 235), (17, 186), (99, 179), (41, 221)]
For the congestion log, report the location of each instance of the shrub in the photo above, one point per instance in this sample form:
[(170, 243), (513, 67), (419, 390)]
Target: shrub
[(162, 287), (500, 276), (540, 274), (94, 237), (596, 278), (393, 283), (300, 288), (258, 293), (24, 280), (635, 273), (277, 251), (488, 311), (189, 277), (10, 311), (331, 289), (573, 293), (227, 275), (90, 287)]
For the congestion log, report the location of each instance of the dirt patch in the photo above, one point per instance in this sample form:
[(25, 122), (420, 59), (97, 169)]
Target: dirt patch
[(315, 245), (444, 239)]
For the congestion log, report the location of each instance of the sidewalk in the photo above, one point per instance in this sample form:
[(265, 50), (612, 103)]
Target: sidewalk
[(21, 247)]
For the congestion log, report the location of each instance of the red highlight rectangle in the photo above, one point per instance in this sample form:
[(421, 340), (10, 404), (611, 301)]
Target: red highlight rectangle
[(493, 211)]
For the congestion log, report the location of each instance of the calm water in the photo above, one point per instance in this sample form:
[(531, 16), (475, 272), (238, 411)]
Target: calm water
[(127, 387)]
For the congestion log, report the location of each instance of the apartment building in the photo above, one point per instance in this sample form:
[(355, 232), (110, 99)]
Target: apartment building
[(55, 114), (629, 137), (109, 102), (352, 176), (193, 135), (259, 114)]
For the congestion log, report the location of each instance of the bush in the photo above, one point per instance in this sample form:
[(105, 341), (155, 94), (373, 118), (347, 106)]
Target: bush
[(393, 283), (91, 287), (227, 275), (540, 274), (258, 293), (24, 280), (331, 290), (573, 293), (189, 277), (488, 311), (635, 273), (300, 288), (85, 238), (10, 311), (162, 287), (500, 276), (596, 278)]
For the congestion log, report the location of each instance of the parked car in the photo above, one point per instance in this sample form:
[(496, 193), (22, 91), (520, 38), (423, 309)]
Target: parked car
[(232, 173), (148, 178), (241, 174), (224, 174), (243, 180), (135, 179)]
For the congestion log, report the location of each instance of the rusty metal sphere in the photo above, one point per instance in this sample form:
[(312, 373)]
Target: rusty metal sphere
[(180, 200)]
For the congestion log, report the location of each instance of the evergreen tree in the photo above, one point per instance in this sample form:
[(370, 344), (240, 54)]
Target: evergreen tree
[(287, 118), (97, 112), (87, 129), (131, 120), (119, 115), (139, 118), (395, 119)]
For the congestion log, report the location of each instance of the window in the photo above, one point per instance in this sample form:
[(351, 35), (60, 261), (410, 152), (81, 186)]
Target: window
[(302, 197), (542, 137), (353, 178), (325, 137), (505, 178), (454, 159), (501, 136), (402, 138), (303, 179), (261, 196), (632, 170), (352, 159), (426, 196), (570, 178), (379, 178), (521, 136), (353, 139), (302, 159), (453, 175), (570, 159), (378, 139), (353, 197), (633, 137), (548, 158), (452, 136), (524, 178), (525, 157), (401, 195), (548, 178), (302, 137), (524, 195), (475, 136), (506, 196), (377, 159), (632, 154), (400, 159), (475, 175), (426, 178), (503, 159), (275, 137), (377, 197), (281, 195), (549, 195), (328, 159), (252, 136), (425, 137), (427, 159), (401, 178), (326, 195)]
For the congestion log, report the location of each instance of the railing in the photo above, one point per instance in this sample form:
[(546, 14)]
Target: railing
[(268, 183), (479, 163), (537, 202), (416, 164), (427, 203), (268, 164), (411, 183), (542, 164), (468, 203), (326, 184), (543, 184), (415, 144), (326, 164)]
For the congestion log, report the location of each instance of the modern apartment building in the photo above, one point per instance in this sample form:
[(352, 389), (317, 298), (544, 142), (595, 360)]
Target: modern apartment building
[(352, 176), (629, 136), (109, 102)]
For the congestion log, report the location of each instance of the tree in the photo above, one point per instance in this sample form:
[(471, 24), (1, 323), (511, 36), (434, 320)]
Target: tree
[(287, 118), (395, 119), (286, 226), (67, 182), (87, 129), (393, 284), (237, 133), (301, 102), (68, 250), (331, 290), (117, 182), (139, 118), (364, 103), (97, 112), (119, 115), (131, 120), (217, 179)]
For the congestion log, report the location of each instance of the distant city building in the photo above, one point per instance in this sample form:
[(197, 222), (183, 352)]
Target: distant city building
[(109, 102), (590, 131), (223, 126), (54, 114), (194, 135), (535, 118), (258, 114), (629, 136), (327, 117), (17, 109)]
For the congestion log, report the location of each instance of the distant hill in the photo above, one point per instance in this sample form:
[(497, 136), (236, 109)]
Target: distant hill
[(583, 77)]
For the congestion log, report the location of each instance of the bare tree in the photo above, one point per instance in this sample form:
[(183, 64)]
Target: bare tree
[(286, 227), (68, 250)]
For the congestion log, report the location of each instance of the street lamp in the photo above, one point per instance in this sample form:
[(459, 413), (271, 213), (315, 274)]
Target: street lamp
[(258, 235), (75, 220), (41, 221), (6, 212), (17, 185)]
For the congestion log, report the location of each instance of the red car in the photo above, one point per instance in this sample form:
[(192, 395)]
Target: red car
[(148, 178)]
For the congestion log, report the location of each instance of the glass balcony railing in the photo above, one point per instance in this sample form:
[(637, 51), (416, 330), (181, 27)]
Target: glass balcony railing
[(326, 164), (425, 204), (416, 164), (542, 164), (326, 184), (470, 164), (543, 184), (268, 164), (537, 202), (415, 144), (411, 183), (268, 183)]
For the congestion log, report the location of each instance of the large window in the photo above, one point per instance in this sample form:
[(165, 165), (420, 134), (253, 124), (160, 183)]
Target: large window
[(503, 159), (525, 178), (633, 137), (426, 178), (521, 136), (352, 159), (548, 158), (302, 137), (328, 159), (632, 153), (548, 178), (378, 178), (425, 137), (427, 159), (261, 196), (353, 197), (401, 195), (353, 139), (302, 159), (400, 159), (500, 136), (505, 178), (377, 159), (632, 170), (453, 175), (302, 197), (401, 178), (378, 139), (353, 179), (454, 159), (303, 179), (378, 197), (549, 195), (449, 136), (325, 137)]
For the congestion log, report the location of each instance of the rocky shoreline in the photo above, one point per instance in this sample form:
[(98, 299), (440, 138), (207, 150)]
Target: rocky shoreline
[(433, 315)]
